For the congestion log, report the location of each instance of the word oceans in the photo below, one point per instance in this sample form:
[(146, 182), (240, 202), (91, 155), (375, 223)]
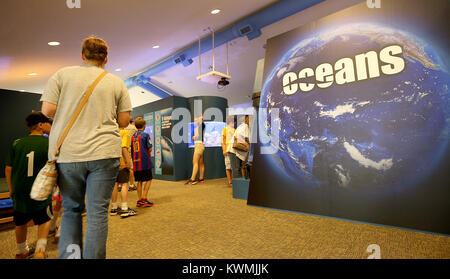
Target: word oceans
[(367, 66)]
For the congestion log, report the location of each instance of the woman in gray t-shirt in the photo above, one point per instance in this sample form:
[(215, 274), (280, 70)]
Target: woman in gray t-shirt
[(88, 160)]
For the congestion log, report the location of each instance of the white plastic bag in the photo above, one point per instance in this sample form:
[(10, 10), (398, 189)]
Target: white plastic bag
[(45, 182)]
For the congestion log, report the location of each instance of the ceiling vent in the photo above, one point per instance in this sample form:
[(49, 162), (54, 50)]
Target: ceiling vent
[(245, 30)]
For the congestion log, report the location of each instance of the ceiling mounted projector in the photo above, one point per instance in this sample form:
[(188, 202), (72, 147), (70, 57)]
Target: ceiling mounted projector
[(213, 77), (223, 82)]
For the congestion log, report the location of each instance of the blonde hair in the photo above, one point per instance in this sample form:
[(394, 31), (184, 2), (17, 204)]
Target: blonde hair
[(95, 49), (139, 123)]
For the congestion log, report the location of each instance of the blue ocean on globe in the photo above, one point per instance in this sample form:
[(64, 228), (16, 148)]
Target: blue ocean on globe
[(382, 132)]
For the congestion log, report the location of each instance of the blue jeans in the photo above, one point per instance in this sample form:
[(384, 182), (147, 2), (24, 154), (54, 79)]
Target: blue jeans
[(95, 180)]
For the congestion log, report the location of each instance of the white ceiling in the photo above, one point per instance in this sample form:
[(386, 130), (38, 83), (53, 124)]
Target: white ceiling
[(131, 28)]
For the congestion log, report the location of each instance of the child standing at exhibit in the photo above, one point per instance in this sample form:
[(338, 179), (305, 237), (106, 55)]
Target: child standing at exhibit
[(227, 136), (131, 128), (122, 179), (25, 159), (141, 148)]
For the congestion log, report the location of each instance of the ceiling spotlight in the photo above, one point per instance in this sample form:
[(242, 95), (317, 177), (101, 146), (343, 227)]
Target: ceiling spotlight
[(155, 46), (32, 74), (216, 11), (118, 70), (54, 43)]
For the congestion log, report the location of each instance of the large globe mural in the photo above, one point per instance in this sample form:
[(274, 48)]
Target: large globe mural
[(381, 132)]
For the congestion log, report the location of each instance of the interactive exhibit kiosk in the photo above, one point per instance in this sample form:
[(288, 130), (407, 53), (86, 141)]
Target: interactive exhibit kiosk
[(172, 160)]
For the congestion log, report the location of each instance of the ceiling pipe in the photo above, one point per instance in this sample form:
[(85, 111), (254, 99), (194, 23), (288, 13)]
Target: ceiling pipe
[(250, 27)]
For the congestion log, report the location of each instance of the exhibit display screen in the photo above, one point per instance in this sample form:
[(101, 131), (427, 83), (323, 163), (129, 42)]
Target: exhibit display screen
[(164, 147), (213, 133), (363, 129), (149, 130)]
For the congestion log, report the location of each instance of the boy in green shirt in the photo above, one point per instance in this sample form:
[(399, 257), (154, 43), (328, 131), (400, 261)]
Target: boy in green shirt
[(25, 159)]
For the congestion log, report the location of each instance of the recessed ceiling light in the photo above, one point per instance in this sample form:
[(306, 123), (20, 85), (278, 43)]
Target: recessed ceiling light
[(32, 74), (54, 43), (118, 70), (155, 46), (216, 11)]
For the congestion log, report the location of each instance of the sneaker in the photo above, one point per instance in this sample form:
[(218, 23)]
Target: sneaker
[(190, 182), (131, 212), (127, 213), (198, 181), (114, 211), (139, 203), (147, 203), (39, 255), (26, 255)]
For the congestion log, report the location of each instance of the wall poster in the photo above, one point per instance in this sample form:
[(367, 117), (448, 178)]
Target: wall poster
[(364, 117)]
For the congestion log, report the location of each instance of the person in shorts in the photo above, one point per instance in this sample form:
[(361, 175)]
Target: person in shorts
[(122, 179), (131, 128), (141, 147), (26, 157), (198, 165), (227, 137)]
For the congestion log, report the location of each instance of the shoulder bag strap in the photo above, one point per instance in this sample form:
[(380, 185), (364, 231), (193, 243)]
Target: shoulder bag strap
[(78, 110)]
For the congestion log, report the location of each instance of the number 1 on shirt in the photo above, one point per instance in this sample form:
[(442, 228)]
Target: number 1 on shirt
[(30, 163)]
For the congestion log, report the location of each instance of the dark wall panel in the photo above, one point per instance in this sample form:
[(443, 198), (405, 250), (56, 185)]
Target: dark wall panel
[(14, 108)]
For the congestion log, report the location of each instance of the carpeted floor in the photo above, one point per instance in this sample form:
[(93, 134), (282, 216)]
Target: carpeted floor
[(205, 222)]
